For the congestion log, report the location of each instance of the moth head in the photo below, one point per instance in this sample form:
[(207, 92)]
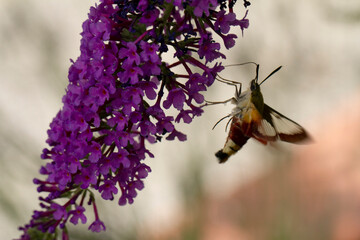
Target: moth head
[(254, 85)]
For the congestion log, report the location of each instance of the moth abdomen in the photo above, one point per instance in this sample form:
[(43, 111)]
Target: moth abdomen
[(236, 139), (222, 156)]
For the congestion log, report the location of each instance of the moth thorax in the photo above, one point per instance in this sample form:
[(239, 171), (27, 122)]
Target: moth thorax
[(257, 99)]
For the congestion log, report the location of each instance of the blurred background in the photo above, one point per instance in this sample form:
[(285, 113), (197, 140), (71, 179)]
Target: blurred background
[(276, 192)]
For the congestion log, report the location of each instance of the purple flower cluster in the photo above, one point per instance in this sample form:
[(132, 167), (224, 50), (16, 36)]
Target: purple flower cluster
[(119, 90)]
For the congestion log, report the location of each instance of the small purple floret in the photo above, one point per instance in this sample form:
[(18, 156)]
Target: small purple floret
[(78, 214), (97, 226)]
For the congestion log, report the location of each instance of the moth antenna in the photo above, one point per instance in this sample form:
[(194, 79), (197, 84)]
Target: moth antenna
[(277, 69), (220, 121)]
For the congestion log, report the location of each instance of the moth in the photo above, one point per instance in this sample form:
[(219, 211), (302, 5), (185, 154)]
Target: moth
[(252, 118)]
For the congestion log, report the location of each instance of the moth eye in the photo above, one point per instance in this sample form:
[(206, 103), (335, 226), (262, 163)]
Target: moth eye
[(252, 86)]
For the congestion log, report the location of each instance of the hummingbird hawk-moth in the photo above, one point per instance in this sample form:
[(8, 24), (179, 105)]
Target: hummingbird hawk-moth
[(252, 118)]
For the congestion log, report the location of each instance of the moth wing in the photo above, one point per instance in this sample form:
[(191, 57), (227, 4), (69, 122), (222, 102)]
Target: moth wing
[(286, 129), (265, 130)]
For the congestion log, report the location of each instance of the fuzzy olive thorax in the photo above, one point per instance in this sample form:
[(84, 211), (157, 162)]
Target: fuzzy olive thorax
[(256, 96)]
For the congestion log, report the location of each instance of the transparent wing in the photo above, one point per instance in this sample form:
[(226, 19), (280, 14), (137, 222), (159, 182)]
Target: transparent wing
[(286, 129), (266, 131)]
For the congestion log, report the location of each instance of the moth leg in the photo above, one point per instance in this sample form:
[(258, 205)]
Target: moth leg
[(229, 115), (232, 83), (208, 103)]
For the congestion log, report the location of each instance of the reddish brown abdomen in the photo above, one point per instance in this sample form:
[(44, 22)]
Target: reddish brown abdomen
[(235, 140)]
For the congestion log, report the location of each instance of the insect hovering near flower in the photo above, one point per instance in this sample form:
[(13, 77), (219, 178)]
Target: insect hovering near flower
[(252, 118)]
